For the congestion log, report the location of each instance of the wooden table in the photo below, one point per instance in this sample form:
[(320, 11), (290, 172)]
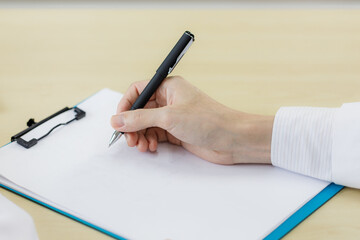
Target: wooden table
[(251, 60)]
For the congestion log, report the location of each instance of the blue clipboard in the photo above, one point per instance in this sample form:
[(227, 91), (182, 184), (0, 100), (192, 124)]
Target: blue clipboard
[(300, 215)]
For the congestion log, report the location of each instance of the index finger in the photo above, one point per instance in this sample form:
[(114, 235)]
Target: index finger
[(131, 95)]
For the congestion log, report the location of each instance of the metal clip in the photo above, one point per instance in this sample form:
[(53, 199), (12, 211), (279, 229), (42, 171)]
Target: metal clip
[(181, 55)]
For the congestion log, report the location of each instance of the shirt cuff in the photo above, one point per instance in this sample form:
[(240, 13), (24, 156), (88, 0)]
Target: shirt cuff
[(346, 146), (302, 140)]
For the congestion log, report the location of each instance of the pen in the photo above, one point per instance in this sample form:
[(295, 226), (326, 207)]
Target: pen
[(165, 68)]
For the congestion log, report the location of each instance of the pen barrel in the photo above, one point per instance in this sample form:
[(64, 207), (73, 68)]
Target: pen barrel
[(148, 91), (167, 65), (172, 58)]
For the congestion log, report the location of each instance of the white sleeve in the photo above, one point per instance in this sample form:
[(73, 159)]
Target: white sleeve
[(346, 146), (319, 142), (301, 140)]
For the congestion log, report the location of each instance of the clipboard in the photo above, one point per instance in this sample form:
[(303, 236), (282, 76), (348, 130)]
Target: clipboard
[(79, 114), (175, 183)]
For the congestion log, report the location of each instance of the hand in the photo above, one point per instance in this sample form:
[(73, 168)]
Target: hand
[(181, 114)]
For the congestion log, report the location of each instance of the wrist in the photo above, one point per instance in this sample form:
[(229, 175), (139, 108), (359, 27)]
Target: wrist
[(252, 138)]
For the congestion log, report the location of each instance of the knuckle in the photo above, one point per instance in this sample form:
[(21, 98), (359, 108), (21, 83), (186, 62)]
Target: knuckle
[(137, 84), (173, 82), (133, 85), (178, 79)]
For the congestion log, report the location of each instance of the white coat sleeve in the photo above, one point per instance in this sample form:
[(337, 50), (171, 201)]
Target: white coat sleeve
[(346, 146), (319, 142)]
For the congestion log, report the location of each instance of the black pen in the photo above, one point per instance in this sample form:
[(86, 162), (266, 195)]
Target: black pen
[(165, 68)]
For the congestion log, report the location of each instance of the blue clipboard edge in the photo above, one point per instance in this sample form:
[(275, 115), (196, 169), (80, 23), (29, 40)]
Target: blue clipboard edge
[(305, 211), (295, 219), (64, 213)]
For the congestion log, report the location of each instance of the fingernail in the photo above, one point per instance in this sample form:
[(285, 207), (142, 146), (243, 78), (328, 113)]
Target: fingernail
[(119, 120)]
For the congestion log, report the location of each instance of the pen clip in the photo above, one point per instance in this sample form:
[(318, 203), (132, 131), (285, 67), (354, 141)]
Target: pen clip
[(181, 55)]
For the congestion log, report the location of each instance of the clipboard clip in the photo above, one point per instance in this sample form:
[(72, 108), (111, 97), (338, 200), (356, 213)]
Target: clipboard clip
[(79, 114)]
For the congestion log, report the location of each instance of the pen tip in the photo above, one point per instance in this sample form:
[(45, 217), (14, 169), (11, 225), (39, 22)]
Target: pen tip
[(111, 143), (114, 138)]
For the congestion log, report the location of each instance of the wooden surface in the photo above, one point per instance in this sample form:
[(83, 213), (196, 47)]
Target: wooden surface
[(251, 60)]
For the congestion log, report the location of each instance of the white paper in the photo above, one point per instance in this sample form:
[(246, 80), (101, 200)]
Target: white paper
[(170, 194)]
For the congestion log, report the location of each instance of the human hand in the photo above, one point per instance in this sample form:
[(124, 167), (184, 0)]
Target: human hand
[(181, 114)]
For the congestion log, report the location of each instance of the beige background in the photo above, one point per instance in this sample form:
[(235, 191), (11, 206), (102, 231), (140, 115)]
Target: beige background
[(251, 60)]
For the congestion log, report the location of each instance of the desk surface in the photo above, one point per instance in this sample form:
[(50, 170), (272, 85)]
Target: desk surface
[(251, 60)]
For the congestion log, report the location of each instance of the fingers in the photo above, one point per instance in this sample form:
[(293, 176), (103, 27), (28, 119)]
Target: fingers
[(143, 140), (135, 89), (131, 95), (148, 139), (139, 124), (132, 139), (143, 144), (152, 139), (136, 120)]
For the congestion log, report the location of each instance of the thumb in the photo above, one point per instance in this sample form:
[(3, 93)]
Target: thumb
[(136, 120)]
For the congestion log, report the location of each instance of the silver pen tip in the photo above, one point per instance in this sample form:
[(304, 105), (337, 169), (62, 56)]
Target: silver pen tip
[(116, 135)]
